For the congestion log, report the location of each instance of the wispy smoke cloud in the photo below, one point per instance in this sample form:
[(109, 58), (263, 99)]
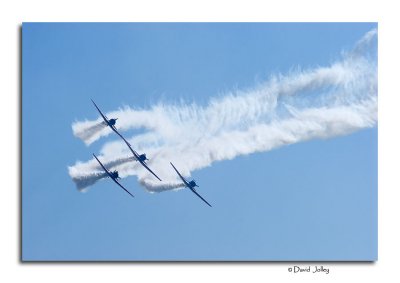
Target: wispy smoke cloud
[(319, 103)]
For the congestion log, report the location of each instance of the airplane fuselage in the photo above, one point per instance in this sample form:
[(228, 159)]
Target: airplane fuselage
[(112, 122), (143, 157), (114, 175), (193, 184)]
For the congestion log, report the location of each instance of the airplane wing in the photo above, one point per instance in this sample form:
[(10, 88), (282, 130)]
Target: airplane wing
[(118, 183), (127, 143), (187, 185), (197, 194), (102, 115), (109, 174), (115, 131), (145, 166), (183, 179), (104, 168)]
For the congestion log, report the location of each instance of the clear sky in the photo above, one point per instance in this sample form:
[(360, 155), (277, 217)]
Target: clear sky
[(314, 200)]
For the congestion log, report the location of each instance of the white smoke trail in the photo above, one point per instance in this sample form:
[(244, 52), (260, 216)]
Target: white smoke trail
[(88, 130), (319, 103)]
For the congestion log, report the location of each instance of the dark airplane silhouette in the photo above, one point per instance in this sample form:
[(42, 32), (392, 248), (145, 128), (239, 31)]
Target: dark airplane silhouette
[(108, 122), (191, 185), (140, 157), (113, 175)]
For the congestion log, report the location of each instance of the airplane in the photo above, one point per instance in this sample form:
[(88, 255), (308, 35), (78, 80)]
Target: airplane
[(109, 122), (191, 185), (140, 157), (113, 175)]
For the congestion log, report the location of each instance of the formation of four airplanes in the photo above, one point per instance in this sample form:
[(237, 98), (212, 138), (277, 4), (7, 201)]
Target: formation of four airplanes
[(142, 159)]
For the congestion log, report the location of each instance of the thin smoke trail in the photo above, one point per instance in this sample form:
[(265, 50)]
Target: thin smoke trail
[(319, 103), (84, 181), (89, 131)]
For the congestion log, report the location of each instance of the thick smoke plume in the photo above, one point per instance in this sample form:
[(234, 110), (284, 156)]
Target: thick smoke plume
[(323, 102)]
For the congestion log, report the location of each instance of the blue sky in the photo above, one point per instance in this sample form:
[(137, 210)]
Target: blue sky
[(314, 200)]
